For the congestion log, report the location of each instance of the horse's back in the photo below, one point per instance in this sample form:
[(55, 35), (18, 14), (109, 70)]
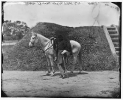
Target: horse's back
[(75, 46)]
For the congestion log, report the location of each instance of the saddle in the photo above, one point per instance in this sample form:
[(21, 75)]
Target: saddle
[(62, 44)]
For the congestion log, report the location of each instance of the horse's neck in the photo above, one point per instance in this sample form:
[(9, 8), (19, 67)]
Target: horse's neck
[(43, 40)]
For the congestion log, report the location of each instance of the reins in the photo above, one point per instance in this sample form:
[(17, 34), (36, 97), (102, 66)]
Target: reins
[(51, 39)]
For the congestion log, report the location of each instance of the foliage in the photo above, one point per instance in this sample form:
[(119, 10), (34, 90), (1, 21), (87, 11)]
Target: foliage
[(14, 30), (96, 54)]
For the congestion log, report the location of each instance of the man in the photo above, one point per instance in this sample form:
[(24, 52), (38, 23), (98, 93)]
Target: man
[(62, 42)]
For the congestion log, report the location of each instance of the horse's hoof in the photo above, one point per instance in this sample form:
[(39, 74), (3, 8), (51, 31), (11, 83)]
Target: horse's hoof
[(62, 76), (48, 74), (80, 72), (52, 74), (71, 72)]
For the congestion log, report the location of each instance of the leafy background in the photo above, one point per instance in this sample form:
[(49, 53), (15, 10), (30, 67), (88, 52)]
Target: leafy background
[(96, 54)]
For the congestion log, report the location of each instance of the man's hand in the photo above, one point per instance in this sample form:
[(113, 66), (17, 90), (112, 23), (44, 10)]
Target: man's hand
[(65, 51)]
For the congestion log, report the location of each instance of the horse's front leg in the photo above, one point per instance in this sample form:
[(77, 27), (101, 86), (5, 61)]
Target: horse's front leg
[(52, 65), (48, 65)]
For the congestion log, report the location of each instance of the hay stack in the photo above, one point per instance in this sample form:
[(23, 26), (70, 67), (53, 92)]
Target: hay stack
[(96, 52)]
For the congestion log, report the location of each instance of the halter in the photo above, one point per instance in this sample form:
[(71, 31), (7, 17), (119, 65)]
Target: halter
[(31, 42)]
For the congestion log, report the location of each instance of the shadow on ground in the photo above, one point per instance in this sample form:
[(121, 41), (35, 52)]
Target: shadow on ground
[(68, 74)]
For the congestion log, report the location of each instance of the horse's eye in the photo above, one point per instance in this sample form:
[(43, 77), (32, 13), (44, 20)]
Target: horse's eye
[(33, 38)]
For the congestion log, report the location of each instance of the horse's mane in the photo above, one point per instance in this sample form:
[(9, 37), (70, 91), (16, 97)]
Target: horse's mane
[(41, 36)]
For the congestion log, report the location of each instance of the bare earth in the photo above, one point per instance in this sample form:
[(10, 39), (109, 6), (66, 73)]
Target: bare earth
[(37, 84)]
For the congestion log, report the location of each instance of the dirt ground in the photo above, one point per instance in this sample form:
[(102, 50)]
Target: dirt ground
[(37, 84)]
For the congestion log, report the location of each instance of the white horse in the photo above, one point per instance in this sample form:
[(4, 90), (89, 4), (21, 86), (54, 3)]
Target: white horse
[(47, 46)]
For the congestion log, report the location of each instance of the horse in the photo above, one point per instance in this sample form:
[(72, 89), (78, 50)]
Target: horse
[(47, 46)]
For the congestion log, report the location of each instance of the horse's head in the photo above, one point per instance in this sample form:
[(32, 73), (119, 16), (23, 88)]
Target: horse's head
[(33, 40)]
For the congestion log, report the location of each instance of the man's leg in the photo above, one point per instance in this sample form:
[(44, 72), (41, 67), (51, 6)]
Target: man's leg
[(59, 64), (56, 57)]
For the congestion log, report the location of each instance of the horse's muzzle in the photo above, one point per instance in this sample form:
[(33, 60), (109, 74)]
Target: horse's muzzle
[(30, 44)]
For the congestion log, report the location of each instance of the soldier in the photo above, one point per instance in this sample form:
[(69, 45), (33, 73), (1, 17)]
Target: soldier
[(62, 42)]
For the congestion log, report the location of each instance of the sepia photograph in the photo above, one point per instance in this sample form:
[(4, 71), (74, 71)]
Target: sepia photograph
[(61, 49)]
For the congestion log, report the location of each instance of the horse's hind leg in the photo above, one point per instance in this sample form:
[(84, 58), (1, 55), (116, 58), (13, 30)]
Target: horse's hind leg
[(74, 62)]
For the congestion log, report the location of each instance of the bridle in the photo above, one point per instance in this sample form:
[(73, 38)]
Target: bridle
[(48, 43), (31, 42)]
